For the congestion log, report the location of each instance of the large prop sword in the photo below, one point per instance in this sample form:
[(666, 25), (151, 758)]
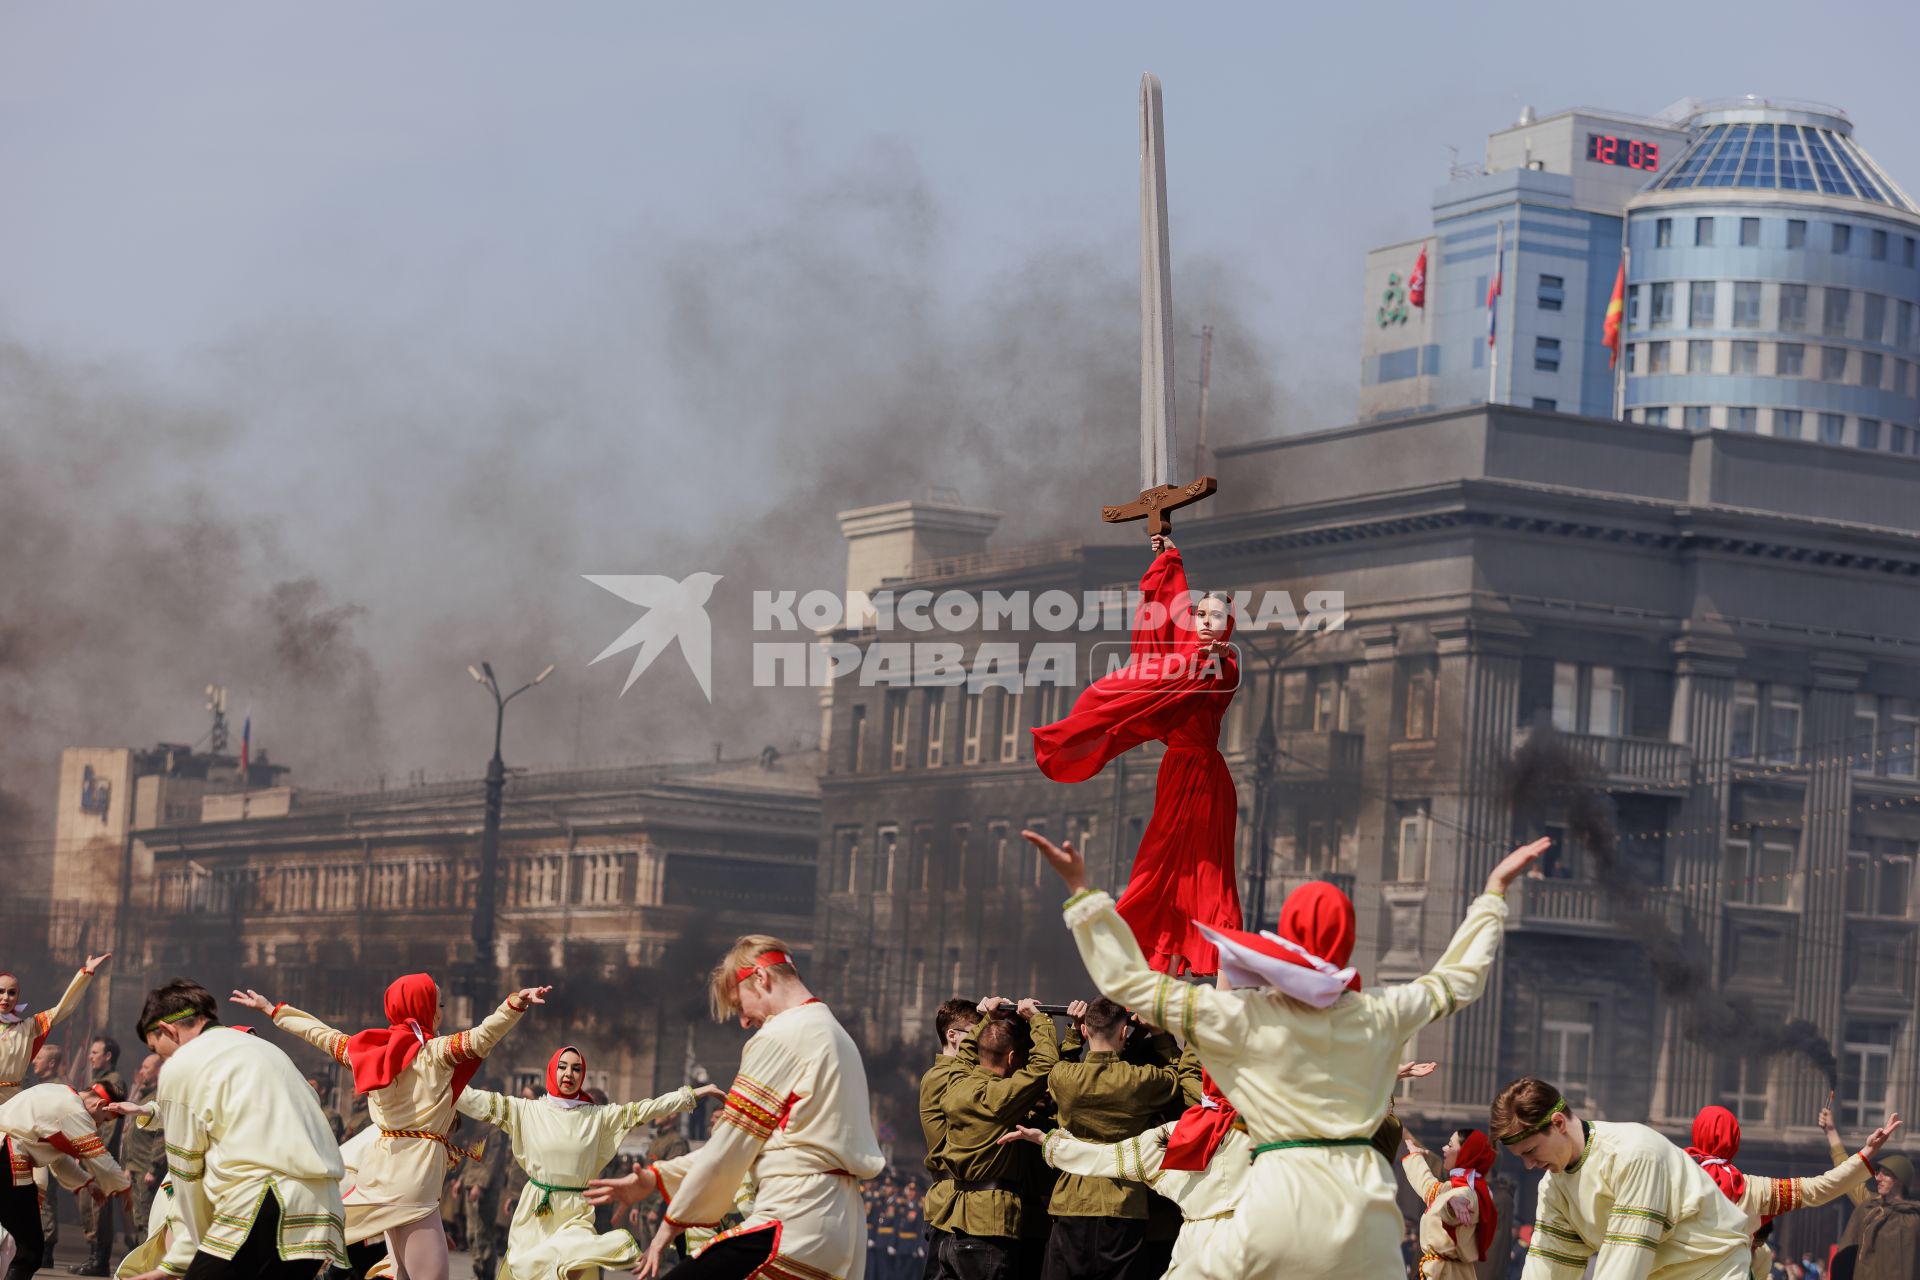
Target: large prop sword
[(1159, 494)]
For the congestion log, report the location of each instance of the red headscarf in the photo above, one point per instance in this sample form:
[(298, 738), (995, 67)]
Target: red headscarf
[(1474, 1163), (1201, 1129), (379, 1054), (553, 1071), (1716, 1141), (1319, 917)]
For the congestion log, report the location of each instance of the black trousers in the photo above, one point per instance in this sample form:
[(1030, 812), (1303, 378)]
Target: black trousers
[(20, 1215), (734, 1259), (1093, 1248), (965, 1257), (258, 1257), (1152, 1261)]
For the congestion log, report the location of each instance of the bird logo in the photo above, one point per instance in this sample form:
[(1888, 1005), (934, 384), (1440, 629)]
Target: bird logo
[(674, 611)]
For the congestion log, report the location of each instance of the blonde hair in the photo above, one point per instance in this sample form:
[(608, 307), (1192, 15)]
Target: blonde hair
[(723, 987)]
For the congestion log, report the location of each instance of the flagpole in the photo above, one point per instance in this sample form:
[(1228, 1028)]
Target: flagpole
[(1493, 355), (1620, 341)]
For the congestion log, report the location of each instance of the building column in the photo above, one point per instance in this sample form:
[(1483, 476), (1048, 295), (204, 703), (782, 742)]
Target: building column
[(1820, 879), (1477, 707), (1703, 693)]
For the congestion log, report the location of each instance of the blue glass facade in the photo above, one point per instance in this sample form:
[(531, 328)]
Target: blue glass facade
[(1774, 286)]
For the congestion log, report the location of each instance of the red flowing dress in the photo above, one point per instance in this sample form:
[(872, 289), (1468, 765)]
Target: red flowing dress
[(1183, 872)]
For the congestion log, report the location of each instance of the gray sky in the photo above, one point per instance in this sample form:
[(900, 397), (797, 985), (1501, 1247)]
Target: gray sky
[(434, 307)]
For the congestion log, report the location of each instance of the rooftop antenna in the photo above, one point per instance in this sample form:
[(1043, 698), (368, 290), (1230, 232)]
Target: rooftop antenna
[(217, 706)]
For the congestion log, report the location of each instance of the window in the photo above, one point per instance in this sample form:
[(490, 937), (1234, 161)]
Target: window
[(1877, 245), (889, 868), (1896, 438), (1869, 433), (1329, 700), (1660, 305), (1786, 424), (1842, 237), (896, 728), (1657, 416), (1833, 428), (1759, 870), (1553, 292), (1743, 1087), (1662, 233), (1743, 418), (1417, 722), (1633, 306), (1009, 725), (1903, 326), (999, 848), (1903, 727), (1746, 304), (1836, 307), (1880, 877), (1878, 959), (1412, 838), (1700, 356), (920, 859), (1906, 257), (846, 861), (1783, 724), (1873, 316), (1833, 364), (1870, 367), (1550, 406), (1793, 308), (1703, 232), (857, 740), (1749, 232), (1658, 356), (1566, 697), (1701, 296), (1606, 702), (1033, 872), (936, 727), (1866, 733), (1566, 1045), (973, 713), (1746, 720), (1866, 1065), (1789, 359), (1546, 355), (1746, 357), (917, 991), (1796, 233), (1699, 417)]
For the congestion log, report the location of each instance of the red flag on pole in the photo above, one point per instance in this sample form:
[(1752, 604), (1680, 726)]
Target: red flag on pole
[(1616, 308), (1417, 284)]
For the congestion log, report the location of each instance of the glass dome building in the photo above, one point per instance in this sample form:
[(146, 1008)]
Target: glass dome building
[(1773, 278)]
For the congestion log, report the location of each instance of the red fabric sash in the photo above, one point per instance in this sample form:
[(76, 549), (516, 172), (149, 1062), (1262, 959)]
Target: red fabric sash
[(379, 1054), (1201, 1130), (1476, 1158), (1716, 1141)]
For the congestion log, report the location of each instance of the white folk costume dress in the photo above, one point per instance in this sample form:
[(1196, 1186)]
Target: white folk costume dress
[(47, 1125), (797, 1120), (1449, 1227), (1716, 1142), (1207, 1197), (401, 1175), (562, 1143), (1638, 1208), (1312, 1083), (242, 1123), (21, 1036)]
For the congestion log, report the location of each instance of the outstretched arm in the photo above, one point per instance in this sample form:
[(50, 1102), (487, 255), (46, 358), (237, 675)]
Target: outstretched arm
[(1857, 1193), (478, 1042), (1461, 973), (1163, 600), (328, 1040), (70, 998), (632, 1115)]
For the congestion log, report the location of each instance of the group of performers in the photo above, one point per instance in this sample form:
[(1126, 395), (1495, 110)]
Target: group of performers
[(1259, 1104)]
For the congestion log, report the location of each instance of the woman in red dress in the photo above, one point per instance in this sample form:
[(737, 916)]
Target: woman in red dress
[(1175, 688)]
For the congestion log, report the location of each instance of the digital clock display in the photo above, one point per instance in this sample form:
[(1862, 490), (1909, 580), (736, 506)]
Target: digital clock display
[(1604, 148)]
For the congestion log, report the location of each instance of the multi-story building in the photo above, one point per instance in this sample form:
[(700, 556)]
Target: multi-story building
[(1718, 625), (619, 886), (1771, 279), (1773, 284)]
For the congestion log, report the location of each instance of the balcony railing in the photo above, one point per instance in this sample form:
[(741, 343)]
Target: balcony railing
[(1582, 906), (1629, 760)]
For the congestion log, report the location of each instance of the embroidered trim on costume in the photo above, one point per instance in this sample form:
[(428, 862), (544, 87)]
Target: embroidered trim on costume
[(1084, 907)]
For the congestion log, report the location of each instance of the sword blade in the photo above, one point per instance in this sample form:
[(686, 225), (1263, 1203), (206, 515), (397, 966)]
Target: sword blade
[(1156, 296)]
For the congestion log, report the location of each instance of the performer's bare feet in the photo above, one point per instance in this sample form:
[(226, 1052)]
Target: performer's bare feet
[(1066, 861)]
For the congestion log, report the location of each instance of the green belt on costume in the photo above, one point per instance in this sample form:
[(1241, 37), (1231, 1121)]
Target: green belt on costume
[(546, 1196), (1292, 1143)]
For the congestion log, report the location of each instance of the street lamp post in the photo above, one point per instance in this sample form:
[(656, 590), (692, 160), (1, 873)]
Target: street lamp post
[(484, 967)]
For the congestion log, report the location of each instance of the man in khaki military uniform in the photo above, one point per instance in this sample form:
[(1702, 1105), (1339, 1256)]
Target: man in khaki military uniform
[(950, 1025), (1099, 1223), (143, 1151), (96, 1216), (982, 1218)]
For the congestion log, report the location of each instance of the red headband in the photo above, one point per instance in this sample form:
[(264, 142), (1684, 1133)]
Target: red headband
[(765, 960), (101, 1090)]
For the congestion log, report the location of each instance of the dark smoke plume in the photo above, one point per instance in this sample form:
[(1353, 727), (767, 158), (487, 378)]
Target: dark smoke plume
[(1545, 775)]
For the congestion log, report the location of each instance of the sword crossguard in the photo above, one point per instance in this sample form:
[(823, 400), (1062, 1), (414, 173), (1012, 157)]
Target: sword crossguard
[(1155, 504)]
